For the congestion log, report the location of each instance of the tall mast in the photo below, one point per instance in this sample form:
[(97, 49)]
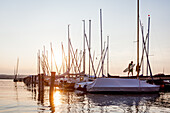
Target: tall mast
[(14, 70), (51, 58), (84, 46), (148, 44), (142, 48), (137, 38), (39, 62), (101, 37), (89, 43), (68, 48), (17, 68), (44, 61), (108, 56)]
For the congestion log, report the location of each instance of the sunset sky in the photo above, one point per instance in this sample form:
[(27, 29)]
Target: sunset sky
[(28, 25)]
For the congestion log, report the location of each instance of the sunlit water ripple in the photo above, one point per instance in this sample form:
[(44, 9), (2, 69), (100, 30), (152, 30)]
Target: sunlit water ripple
[(19, 98)]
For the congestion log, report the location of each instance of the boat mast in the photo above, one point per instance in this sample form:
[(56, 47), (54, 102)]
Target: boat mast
[(16, 74), (68, 49), (148, 45), (142, 62), (84, 46), (51, 58), (45, 67), (14, 70), (39, 62), (137, 38), (101, 38), (89, 43), (108, 56)]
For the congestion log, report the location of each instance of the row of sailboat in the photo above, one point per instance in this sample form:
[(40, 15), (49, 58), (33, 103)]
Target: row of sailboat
[(103, 84)]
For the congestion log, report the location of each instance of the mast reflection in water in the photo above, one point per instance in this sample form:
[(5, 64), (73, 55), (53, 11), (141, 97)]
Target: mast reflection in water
[(65, 101), (19, 98)]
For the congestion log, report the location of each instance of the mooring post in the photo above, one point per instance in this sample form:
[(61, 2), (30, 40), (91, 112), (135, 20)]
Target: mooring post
[(42, 77), (41, 88), (52, 81), (32, 80), (39, 82), (35, 80), (51, 97)]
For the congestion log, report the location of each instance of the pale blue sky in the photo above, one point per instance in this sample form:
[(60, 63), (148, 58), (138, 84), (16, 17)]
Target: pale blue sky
[(25, 26)]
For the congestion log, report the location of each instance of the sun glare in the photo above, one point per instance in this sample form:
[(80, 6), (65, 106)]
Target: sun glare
[(57, 98), (57, 60)]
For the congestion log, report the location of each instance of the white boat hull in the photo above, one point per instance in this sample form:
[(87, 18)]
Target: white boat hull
[(121, 85)]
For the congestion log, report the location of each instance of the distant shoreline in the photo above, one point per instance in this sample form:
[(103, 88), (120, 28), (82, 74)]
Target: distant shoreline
[(3, 76)]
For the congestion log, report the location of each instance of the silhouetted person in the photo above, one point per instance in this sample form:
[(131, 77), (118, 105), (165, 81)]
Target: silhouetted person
[(130, 68)]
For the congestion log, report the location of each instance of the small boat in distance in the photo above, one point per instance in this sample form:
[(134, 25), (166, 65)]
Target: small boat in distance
[(16, 72)]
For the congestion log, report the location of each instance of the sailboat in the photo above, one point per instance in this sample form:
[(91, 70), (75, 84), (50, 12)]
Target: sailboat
[(16, 73), (123, 84)]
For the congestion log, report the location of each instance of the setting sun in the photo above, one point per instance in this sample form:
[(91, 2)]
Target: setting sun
[(56, 60)]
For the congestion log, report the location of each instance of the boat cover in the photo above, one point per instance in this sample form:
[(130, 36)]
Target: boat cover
[(122, 85)]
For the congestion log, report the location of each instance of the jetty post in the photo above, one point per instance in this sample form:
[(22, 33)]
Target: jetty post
[(32, 80), (51, 95), (35, 79), (40, 88), (40, 80), (52, 83)]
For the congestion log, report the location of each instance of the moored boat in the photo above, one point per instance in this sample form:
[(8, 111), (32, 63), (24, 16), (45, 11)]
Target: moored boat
[(121, 85)]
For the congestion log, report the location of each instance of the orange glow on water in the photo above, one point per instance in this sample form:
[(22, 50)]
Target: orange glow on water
[(57, 98)]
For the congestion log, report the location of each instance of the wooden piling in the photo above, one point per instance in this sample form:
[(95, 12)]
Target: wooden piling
[(39, 82), (41, 88), (32, 80), (35, 79), (42, 81), (52, 81), (51, 95)]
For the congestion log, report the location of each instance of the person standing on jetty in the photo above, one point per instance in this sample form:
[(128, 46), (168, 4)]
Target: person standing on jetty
[(130, 68)]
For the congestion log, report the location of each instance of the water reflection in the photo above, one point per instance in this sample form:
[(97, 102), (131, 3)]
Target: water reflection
[(40, 96), (163, 100), (57, 97), (129, 103), (61, 101), (16, 90)]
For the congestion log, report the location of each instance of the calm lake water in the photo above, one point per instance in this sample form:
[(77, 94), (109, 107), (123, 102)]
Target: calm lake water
[(19, 98)]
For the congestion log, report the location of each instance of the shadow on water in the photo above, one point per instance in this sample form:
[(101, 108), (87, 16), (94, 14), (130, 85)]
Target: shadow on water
[(126, 99)]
